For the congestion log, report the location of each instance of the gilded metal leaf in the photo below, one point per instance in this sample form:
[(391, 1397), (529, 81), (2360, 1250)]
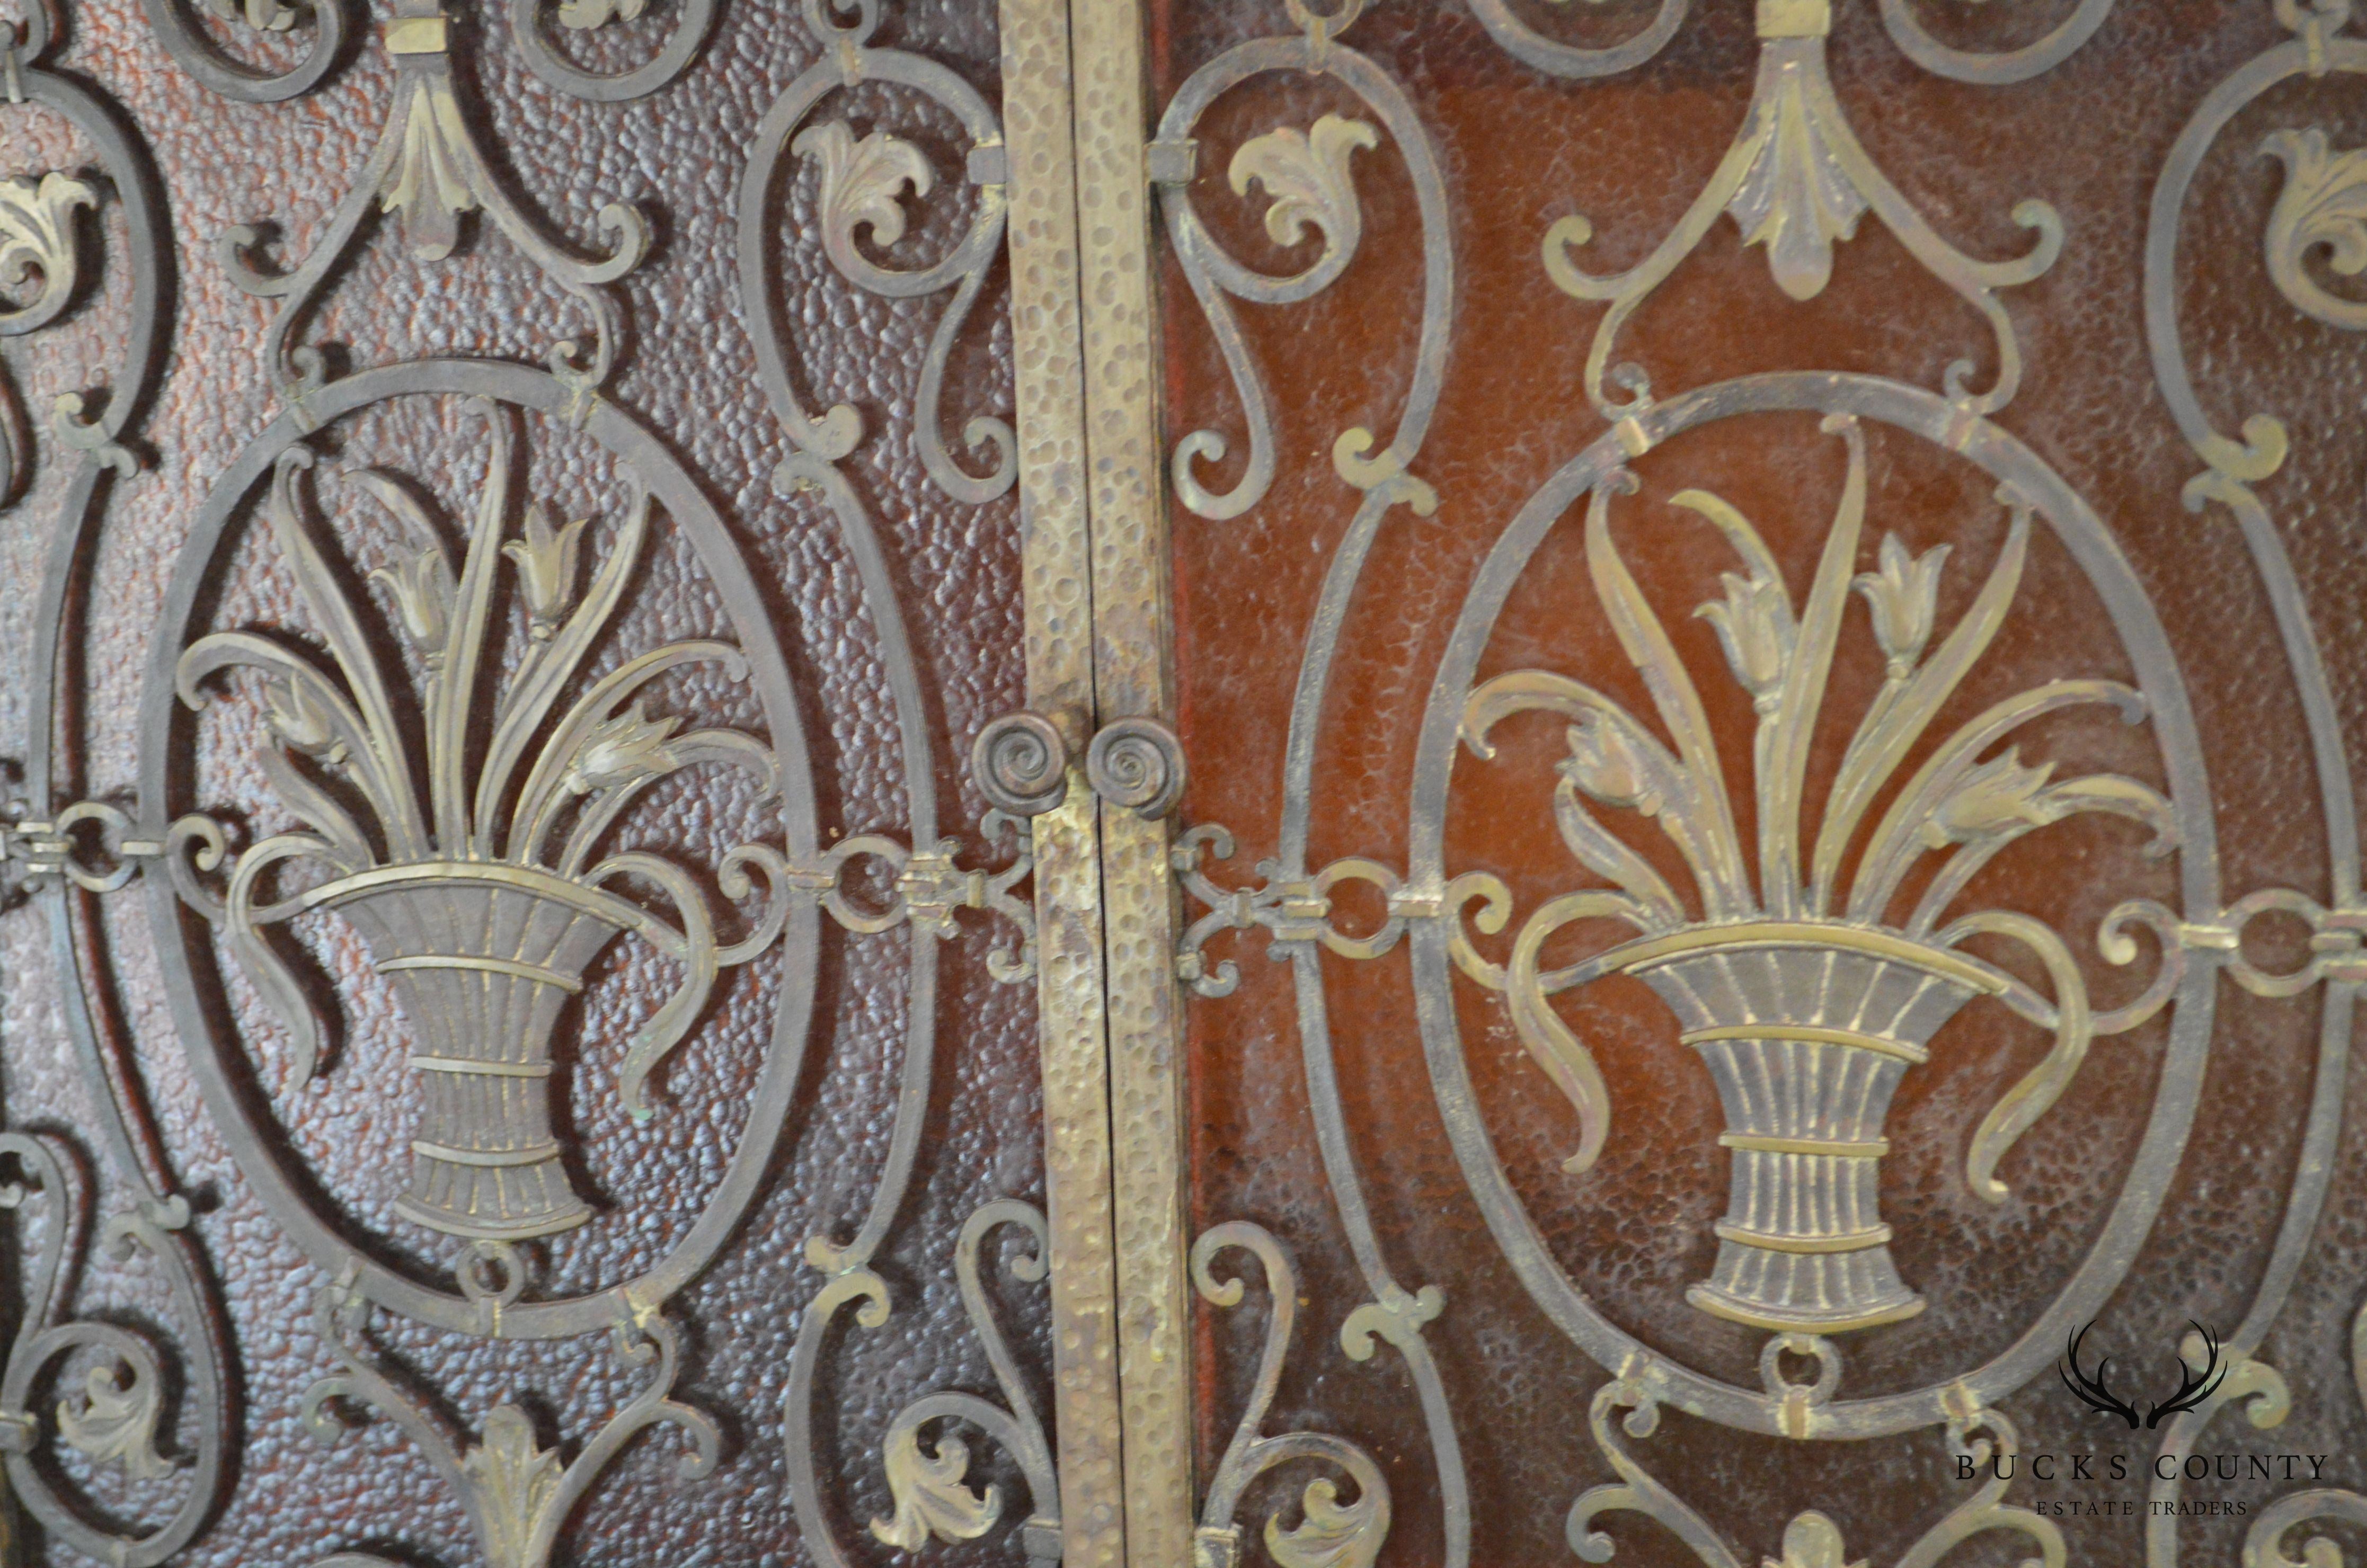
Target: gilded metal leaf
[(621, 750), (931, 1498), (1812, 1540), (2001, 793), (1613, 763), (299, 718), (861, 181), (546, 566), (512, 1482), (428, 181), (37, 237), (1754, 626), (582, 16), (1332, 1535), (1903, 596), (421, 583), (1797, 198), (2322, 205), (117, 1422), (1306, 174)]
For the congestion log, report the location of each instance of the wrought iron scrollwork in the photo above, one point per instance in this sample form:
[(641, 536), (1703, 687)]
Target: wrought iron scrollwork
[(218, 71), (692, 22), (2269, 1401), (1295, 911), (2314, 209), (42, 220), (933, 1498), (517, 1492), (1020, 762), (479, 871), (929, 889), (114, 1418), (38, 256), (194, 50), (61, 857), (2003, 67), (1797, 180), (1776, 18), (861, 180), (1138, 765), (37, 243), (1527, 45), (427, 167), (1310, 177), (1981, 1439), (1329, 1533)]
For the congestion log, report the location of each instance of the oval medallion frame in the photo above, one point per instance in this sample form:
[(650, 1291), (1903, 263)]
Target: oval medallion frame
[(182, 938), (1933, 418)]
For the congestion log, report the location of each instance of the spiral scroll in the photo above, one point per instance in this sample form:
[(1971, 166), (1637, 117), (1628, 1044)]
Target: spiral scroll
[(1021, 763), (1137, 764)]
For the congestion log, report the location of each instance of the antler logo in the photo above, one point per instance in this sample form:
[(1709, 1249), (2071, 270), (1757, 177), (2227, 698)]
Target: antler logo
[(2194, 1384)]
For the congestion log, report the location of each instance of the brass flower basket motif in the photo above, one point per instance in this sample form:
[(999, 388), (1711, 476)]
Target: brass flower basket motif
[(480, 970), (1805, 1000), (478, 898)]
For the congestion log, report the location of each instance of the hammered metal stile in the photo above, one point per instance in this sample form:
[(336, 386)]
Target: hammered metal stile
[(1039, 108), (1134, 679)]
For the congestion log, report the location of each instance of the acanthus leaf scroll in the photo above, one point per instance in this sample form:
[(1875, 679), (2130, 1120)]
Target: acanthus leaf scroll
[(37, 242), (927, 1476), (517, 1492), (1329, 1533)]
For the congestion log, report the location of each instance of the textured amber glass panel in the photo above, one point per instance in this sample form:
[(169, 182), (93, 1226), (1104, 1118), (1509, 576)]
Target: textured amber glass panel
[(2150, 1192), (757, 540)]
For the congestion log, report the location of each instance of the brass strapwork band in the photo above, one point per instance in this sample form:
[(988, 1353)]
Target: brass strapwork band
[(1850, 1241), (535, 972), (416, 34), (1814, 1033), (1872, 1148), (533, 1154), (1795, 18), (1776, 1323), (481, 1069)]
